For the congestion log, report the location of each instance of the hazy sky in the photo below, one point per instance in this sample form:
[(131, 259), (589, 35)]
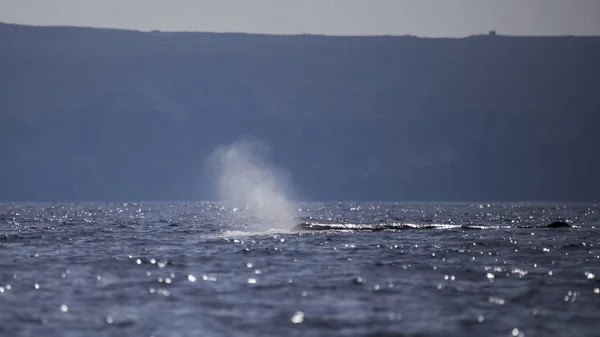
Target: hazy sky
[(334, 17)]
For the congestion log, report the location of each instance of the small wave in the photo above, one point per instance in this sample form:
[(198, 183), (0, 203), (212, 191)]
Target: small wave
[(232, 234), (305, 226), (371, 227)]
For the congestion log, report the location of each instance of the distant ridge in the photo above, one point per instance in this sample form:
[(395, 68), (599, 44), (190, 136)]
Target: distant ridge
[(111, 114)]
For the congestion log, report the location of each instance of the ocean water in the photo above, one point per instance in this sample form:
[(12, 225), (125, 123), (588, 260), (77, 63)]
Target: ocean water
[(207, 269)]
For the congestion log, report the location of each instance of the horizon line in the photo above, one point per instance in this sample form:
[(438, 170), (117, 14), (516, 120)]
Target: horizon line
[(490, 33)]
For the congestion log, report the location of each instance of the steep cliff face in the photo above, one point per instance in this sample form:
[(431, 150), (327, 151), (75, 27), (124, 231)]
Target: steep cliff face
[(92, 114)]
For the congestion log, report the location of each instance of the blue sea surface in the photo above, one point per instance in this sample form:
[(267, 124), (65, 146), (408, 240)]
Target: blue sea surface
[(207, 269)]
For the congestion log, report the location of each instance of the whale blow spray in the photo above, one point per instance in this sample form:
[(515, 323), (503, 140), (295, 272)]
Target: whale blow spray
[(245, 179)]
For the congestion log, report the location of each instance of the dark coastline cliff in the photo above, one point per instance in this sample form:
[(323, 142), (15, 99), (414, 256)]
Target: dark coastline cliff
[(94, 114)]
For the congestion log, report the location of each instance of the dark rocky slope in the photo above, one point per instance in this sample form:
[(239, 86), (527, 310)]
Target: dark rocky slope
[(93, 114)]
